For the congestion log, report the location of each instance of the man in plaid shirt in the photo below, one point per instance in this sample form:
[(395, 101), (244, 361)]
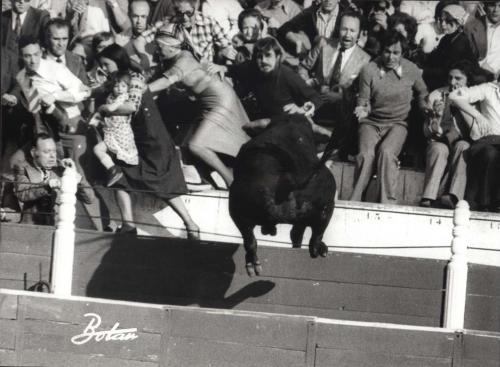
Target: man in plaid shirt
[(207, 38)]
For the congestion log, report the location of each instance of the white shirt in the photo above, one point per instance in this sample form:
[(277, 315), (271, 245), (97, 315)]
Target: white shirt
[(225, 12), (96, 20), (325, 23), (54, 58), (14, 18), (492, 60), (347, 54), (52, 78), (488, 96), (422, 11)]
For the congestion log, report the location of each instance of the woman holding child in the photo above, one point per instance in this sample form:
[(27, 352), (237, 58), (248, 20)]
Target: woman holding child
[(158, 168)]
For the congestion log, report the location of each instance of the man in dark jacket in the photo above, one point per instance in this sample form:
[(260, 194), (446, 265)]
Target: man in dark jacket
[(56, 41), (484, 37), (38, 182), (22, 20), (301, 32)]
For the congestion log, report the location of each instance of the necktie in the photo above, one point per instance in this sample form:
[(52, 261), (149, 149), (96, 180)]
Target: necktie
[(45, 174), (17, 28), (58, 59), (337, 67), (33, 98)]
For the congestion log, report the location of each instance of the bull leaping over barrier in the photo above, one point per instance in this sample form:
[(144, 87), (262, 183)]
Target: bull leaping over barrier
[(279, 179)]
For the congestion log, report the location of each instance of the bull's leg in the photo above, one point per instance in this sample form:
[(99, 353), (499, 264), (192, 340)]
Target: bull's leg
[(269, 229), (252, 262), (316, 244), (297, 234)]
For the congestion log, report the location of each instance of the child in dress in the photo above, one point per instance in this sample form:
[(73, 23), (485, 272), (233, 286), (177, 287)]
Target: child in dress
[(118, 134)]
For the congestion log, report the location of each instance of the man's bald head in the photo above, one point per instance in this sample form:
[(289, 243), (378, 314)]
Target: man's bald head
[(139, 13)]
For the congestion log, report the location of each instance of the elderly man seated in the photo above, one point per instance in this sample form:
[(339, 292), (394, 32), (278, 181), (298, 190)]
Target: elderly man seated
[(38, 182)]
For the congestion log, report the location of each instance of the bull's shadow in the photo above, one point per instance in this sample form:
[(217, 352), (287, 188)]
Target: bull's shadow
[(164, 270)]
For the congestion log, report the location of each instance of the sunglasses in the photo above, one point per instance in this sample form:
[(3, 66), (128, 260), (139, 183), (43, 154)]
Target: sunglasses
[(188, 13)]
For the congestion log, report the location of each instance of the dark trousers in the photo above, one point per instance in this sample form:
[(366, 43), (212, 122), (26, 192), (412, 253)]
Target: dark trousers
[(483, 177)]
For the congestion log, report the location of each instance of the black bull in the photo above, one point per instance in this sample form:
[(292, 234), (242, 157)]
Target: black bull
[(279, 179)]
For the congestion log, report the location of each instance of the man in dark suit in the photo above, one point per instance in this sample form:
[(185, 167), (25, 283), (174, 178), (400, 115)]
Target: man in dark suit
[(11, 124), (331, 67), (22, 20), (38, 182), (484, 37), (56, 41)]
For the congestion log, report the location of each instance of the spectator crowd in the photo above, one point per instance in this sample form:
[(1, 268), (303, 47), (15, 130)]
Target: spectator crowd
[(134, 94)]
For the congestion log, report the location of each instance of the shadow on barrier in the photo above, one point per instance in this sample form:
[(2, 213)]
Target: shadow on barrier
[(165, 271)]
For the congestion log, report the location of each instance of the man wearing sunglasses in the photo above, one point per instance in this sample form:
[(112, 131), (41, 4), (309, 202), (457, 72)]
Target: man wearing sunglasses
[(22, 20), (204, 34)]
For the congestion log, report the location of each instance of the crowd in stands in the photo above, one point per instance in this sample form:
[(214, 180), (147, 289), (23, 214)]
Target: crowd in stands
[(116, 89)]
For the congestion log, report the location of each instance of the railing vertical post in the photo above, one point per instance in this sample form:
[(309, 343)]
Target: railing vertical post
[(64, 239), (456, 278)]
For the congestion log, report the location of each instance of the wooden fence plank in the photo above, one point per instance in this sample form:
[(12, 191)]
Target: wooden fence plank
[(68, 311), (13, 267), (175, 253), (384, 340), (349, 358), (56, 337), (483, 280), (8, 357), (482, 348), (59, 359), (8, 334), (482, 313), (213, 354), (271, 331), (188, 284), (8, 306), (26, 239)]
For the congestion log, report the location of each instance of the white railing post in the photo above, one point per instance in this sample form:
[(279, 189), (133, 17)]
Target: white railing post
[(64, 239), (456, 277)]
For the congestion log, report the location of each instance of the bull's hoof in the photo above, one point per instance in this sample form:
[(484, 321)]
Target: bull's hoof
[(254, 269), (258, 268), (250, 269), (313, 251), (323, 249)]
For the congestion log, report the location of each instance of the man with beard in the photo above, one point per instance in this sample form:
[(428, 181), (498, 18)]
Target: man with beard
[(386, 89), (331, 67), (278, 90)]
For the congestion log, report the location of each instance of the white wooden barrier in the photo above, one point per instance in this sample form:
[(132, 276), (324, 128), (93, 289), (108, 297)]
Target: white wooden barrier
[(64, 238), (456, 278), (64, 244)]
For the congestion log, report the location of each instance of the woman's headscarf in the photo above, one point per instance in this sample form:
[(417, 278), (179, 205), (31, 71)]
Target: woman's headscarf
[(169, 35), (457, 13)]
